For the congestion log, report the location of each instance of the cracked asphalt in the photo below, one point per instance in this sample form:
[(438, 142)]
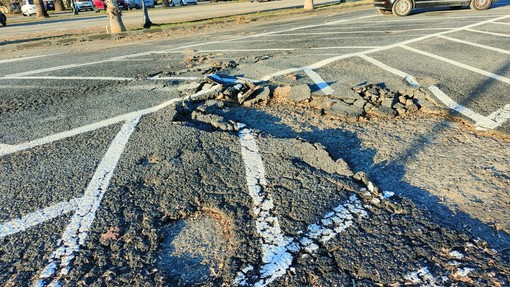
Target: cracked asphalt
[(127, 166)]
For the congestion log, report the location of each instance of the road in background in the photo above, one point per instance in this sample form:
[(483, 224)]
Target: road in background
[(204, 10)]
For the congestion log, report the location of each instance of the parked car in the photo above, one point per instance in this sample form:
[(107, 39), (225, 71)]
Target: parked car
[(138, 4), (83, 5), (3, 19), (182, 2), (404, 7), (28, 8), (101, 4), (49, 5)]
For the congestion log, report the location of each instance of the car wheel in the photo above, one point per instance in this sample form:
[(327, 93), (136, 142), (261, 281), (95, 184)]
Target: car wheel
[(384, 12), (3, 20), (403, 7), (480, 4)]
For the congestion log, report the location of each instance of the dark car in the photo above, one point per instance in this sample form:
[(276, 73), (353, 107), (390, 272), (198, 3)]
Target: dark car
[(404, 7), (3, 19), (49, 5)]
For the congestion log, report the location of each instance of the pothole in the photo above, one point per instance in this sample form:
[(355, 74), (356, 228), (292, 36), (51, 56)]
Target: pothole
[(195, 249)]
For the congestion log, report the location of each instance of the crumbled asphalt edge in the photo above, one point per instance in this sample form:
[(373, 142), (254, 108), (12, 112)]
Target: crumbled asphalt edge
[(473, 266)]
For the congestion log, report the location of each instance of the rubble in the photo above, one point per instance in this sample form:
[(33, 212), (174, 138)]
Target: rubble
[(299, 93)]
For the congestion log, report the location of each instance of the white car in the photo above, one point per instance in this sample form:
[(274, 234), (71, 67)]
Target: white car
[(28, 8), (183, 2), (83, 5)]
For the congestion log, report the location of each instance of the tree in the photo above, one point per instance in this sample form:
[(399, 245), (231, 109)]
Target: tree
[(40, 9), (59, 5), (308, 5), (146, 21), (115, 16)]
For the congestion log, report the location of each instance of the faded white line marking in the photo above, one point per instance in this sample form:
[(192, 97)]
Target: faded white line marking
[(476, 45), (275, 256), (410, 80), (91, 127), (67, 78), (321, 84), (334, 59), (76, 232), (345, 47), (5, 146), (26, 58), (481, 121), (52, 69), (489, 33), (35, 218), (458, 64), (423, 277), (500, 116), (359, 32), (245, 50), (333, 223)]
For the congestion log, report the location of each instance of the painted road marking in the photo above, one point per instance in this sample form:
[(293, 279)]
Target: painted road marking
[(275, 256), (458, 64), (76, 232), (97, 78), (68, 78), (35, 218), (476, 45), (488, 33), (375, 50), (345, 47), (410, 80), (332, 224), (500, 116), (26, 58), (321, 84), (481, 121), (94, 126)]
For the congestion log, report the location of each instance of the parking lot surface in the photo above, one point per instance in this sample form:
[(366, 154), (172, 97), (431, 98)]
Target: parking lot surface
[(132, 165)]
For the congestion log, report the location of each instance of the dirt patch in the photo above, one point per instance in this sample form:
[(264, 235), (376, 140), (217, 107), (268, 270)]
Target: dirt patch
[(195, 249)]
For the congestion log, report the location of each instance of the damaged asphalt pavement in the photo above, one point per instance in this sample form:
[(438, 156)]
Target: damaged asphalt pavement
[(261, 154)]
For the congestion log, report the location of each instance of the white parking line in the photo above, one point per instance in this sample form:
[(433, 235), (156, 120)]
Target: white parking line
[(91, 127), (68, 78), (488, 33), (83, 129), (475, 44), (245, 50), (26, 58), (332, 224), (76, 232), (458, 64), (275, 256), (345, 47), (321, 84), (410, 80), (35, 218), (481, 121), (501, 115), (375, 50)]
